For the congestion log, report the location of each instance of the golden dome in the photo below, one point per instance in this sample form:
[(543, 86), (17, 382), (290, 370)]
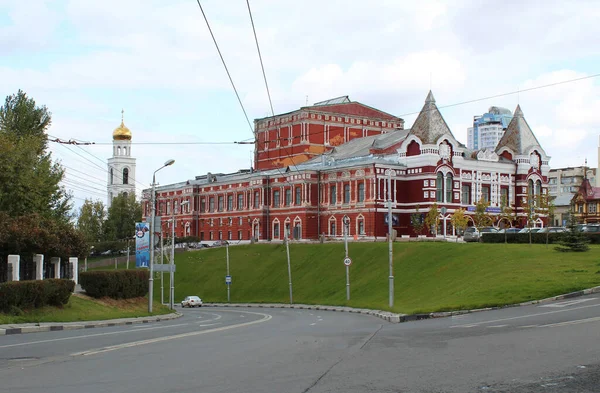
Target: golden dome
[(122, 133)]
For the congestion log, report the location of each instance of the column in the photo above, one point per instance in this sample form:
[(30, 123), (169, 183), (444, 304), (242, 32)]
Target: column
[(14, 261), (38, 259), (74, 261), (56, 262)]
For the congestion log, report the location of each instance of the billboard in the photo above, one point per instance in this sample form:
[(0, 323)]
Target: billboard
[(142, 244)]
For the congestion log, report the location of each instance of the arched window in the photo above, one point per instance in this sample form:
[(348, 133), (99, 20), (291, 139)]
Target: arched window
[(125, 176), (538, 192), (361, 192), (449, 181), (125, 194), (119, 150), (530, 190), (111, 176), (439, 186)]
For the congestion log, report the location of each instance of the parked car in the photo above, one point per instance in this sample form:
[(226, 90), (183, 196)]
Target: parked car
[(473, 234), (191, 301), (591, 228), (553, 230), (532, 230), (509, 230), (219, 243)]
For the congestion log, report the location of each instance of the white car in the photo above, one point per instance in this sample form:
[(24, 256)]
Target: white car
[(191, 301)]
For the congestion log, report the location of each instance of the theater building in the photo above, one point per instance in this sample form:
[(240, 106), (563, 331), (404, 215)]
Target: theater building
[(334, 159)]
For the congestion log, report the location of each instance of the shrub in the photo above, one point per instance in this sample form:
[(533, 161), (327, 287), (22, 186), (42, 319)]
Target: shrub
[(16, 295), (537, 238), (120, 284)]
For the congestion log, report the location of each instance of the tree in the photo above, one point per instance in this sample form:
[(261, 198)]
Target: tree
[(573, 240), (29, 179), (506, 214), (460, 221), (432, 219), (123, 213), (90, 221), (547, 207), (481, 218), (416, 221)]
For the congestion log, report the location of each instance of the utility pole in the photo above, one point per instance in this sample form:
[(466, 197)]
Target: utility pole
[(346, 222), (127, 253), (287, 249), (228, 284), (391, 249), (172, 263)]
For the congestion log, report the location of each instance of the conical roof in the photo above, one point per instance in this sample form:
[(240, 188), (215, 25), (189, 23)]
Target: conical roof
[(518, 136), (430, 125)]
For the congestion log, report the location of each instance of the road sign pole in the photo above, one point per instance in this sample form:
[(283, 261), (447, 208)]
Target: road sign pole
[(162, 259), (346, 222), (229, 284), (287, 248), (391, 250)]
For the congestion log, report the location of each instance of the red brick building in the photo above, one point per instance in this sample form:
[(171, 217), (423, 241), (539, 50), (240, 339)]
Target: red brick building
[(318, 164)]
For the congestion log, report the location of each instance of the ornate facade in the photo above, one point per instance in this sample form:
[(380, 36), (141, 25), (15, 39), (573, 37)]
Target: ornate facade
[(424, 165)]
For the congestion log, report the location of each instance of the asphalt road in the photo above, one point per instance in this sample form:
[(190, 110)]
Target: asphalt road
[(554, 347)]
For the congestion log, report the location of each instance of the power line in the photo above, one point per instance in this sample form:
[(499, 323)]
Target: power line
[(225, 65), (260, 58)]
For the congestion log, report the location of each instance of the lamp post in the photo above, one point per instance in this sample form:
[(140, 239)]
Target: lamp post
[(390, 173), (153, 203)]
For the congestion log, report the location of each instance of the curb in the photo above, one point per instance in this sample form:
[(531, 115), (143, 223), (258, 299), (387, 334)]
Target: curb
[(400, 318), (52, 327)]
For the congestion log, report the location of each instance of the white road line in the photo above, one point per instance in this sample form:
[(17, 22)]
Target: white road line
[(91, 335), (527, 326), (462, 326), (528, 316), (575, 322), (210, 324), (567, 303), (497, 326), (312, 324), (265, 318)]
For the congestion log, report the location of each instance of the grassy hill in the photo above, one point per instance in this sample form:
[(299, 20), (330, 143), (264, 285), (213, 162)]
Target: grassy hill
[(428, 276)]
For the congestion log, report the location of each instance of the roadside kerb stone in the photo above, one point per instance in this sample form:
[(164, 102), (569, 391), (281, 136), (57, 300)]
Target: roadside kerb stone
[(399, 318), (23, 328)]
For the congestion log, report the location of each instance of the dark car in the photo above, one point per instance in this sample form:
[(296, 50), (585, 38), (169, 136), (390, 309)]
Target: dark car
[(591, 228)]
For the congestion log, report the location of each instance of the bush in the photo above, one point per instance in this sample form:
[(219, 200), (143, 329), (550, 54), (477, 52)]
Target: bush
[(17, 295), (120, 284), (536, 238)]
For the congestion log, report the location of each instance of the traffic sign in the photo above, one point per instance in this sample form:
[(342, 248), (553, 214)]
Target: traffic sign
[(228, 280), (347, 261), (164, 267)]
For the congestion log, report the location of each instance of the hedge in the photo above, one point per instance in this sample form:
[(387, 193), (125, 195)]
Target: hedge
[(119, 284), (35, 293), (536, 238)]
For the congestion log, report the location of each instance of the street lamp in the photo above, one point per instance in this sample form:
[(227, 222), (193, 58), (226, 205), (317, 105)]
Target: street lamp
[(390, 203), (153, 203)]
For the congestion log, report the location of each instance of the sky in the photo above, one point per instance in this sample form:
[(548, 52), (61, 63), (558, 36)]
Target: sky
[(87, 61)]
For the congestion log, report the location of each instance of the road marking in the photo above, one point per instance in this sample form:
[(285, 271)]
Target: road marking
[(575, 322), (214, 319), (462, 326), (527, 326), (527, 316), (567, 303), (210, 324), (497, 326), (91, 335), (312, 324), (265, 318)]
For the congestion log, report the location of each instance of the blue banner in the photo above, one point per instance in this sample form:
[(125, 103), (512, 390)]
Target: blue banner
[(142, 244), (487, 209)]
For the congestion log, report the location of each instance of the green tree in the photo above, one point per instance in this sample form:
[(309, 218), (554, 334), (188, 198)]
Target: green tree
[(573, 240), (481, 218), (29, 179), (90, 221), (433, 219), (460, 221), (123, 213), (416, 221)]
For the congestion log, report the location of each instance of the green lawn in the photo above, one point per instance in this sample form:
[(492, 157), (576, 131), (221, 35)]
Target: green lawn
[(85, 309), (429, 276)]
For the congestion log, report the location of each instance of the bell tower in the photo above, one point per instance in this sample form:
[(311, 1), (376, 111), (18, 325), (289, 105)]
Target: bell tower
[(121, 166)]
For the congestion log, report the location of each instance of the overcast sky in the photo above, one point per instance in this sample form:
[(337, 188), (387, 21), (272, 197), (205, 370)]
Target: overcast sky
[(156, 60)]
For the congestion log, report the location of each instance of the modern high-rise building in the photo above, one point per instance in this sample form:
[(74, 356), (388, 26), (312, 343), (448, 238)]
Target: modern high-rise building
[(488, 128), (121, 166)]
